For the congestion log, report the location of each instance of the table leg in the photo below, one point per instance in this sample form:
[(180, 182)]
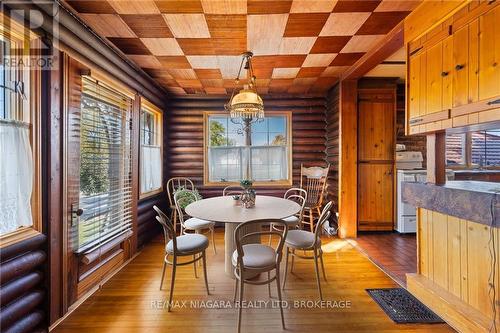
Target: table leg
[(230, 245)]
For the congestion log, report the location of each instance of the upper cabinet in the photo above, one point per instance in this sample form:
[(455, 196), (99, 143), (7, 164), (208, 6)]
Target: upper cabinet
[(454, 71)]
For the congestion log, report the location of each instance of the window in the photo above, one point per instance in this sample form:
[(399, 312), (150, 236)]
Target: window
[(105, 166), (19, 134), (151, 151), (474, 150), (265, 159)]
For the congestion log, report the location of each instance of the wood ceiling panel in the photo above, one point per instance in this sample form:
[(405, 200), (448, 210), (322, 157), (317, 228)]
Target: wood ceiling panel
[(312, 6), (130, 45), (180, 62), (208, 73), (346, 6), (203, 62), (333, 44), (148, 26), (265, 32), (179, 7), (108, 25), (361, 43), (195, 46), (134, 7), (381, 23), (319, 60), (224, 6), (296, 45), (187, 25), (269, 7), (343, 24), (305, 24), (163, 46)]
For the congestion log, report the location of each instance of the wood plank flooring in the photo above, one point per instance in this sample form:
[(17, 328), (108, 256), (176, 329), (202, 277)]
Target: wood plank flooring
[(132, 302), (395, 253)]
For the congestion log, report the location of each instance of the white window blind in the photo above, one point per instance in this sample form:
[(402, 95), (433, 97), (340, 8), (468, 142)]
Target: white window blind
[(105, 166), (16, 176)]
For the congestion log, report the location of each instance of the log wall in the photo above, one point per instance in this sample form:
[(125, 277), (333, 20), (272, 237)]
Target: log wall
[(332, 143), (23, 294), (184, 136)]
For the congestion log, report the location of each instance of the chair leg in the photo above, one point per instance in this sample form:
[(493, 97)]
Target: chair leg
[(194, 266), (322, 264), (293, 260), (269, 284), (270, 230), (242, 284), (286, 266), (174, 266), (235, 289), (316, 268), (311, 219), (205, 271), (279, 295), (163, 273), (213, 239)]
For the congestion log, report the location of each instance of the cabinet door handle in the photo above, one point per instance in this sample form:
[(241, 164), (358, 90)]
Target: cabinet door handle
[(443, 74), (459, 67)]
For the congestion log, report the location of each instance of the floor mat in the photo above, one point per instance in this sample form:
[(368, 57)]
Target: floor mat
[(402, 307)]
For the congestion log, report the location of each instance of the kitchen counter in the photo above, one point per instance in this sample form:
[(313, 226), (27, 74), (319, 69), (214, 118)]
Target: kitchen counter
[(470, 200)]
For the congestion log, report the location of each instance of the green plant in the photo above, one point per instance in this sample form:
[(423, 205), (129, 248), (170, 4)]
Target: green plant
[(185, 196), (246, 183)]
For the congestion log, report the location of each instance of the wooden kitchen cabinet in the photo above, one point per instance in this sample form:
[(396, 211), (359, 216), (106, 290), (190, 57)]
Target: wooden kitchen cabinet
[(454, 71)]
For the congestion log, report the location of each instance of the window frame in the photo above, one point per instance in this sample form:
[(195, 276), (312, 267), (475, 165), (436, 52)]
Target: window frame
[(158, 114), (467, 165), (281, 183), (28, 111)]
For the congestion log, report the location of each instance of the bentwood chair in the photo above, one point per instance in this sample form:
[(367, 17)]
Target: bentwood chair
[(173, 184), (252, 259), (232, 190), (313, 180), (176, 247), (308, 241), (299, 196), (181, 200)]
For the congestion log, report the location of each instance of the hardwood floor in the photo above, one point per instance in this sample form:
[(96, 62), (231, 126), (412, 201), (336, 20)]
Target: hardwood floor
[(132, 302), (395, 253)]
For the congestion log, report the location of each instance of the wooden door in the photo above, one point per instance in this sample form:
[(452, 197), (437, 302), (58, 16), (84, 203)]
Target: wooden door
[(376, 143), (98, 214), (489, 54), (461, 66), (434, 79)]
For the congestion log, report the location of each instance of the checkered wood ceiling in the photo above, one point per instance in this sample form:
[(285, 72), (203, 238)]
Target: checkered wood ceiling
[(194, 46)]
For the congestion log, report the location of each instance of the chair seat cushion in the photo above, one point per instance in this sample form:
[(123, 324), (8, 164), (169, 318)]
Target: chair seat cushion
[(186, 244), (291, 220), (256, 256), (195, 224), (300, 239)]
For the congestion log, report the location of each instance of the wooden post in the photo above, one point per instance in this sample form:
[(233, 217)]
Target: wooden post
[(348, 159), (436, 158)]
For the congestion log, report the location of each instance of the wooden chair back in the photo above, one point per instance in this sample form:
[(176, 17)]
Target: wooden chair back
[(174, 184), (323, 218), (232, 190), (168, 227), (298, 195), (182, 202), (241, 233), (313, 180)]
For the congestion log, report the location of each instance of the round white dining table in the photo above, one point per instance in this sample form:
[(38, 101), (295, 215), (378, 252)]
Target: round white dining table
[(224, 210)]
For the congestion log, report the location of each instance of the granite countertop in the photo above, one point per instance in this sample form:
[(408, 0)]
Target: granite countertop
[(470, 200)]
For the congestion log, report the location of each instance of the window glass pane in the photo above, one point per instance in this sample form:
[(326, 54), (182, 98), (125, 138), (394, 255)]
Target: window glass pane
[(493, 148), (150, 166), (259, 139), (218, 131), (455, 149)]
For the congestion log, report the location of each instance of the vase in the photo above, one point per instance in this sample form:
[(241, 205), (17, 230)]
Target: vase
[(248, 198)]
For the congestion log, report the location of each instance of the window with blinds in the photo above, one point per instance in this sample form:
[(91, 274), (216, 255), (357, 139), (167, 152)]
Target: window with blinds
[(474, 149), (151, 154), (105, 166)]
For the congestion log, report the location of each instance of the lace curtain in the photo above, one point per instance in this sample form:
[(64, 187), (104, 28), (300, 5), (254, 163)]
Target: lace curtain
[(150, 168), (16, 176)]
